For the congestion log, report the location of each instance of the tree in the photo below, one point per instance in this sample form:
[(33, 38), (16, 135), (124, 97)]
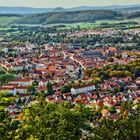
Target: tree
[(52, 121), (125, 128), (2, 71), (50, 90), (127, 105), (11, 54), (31, 89), (65, 88), (110, 59), (5, 78), (6, 127)]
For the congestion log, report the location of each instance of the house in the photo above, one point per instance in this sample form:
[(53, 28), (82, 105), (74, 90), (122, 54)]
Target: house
[(22, 82), (138, 81), (68, 96), (133, 96), (105, 113), (5, 50), (75, 46), (92, 54), (69, 68), (84, 89), (9, 90), (17, 67), (43, 82), (21, 89), (19, 118), (14, 89), (42, 88), (41, 67)]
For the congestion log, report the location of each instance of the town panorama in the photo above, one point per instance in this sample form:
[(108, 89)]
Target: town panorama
[(70, 73)]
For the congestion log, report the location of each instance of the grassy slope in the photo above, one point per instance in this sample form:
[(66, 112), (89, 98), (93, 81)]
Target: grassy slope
[(92, 25), (4, 20), (135, 19)]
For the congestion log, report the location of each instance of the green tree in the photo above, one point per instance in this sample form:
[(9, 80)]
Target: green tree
[(2, 71), (125, 128), (31, 89), (4, 78), (50, 90), (65, 88), (6, 125), (52, 121)]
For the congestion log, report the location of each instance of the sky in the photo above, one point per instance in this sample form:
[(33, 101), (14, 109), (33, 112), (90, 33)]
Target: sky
[(66, 3)]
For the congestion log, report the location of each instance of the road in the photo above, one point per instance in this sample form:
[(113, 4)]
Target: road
[(81, 67)]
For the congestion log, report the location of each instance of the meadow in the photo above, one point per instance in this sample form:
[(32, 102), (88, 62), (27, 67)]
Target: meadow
[(5, 20), (97, 24)]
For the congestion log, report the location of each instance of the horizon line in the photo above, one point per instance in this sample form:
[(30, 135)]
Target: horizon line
[(72, 6)]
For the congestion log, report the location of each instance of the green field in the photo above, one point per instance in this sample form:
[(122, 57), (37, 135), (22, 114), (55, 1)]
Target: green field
[(135, 19), (117, 21), (4, 20), (4, 29), (96, 24)]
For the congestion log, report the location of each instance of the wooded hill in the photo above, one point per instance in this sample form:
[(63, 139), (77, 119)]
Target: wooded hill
[(77, 16)]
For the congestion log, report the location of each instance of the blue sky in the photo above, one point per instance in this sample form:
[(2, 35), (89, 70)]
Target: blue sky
[(65, 3)]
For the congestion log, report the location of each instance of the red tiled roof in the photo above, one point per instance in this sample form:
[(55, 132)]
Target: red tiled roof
[(94, 96), (68, 94), (42, 88), (57, 93)]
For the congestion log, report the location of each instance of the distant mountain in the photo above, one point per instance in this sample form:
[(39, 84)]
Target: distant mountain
[(30, 10), (129, 9), (10, 15), (112, 7), (23, 10), (59, 9)]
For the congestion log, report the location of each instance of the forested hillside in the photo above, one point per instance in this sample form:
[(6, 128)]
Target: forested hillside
[(78, 16), (70, 17)]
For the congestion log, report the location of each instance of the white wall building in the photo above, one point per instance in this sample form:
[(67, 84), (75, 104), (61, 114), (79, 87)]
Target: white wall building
[(86, 89)]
